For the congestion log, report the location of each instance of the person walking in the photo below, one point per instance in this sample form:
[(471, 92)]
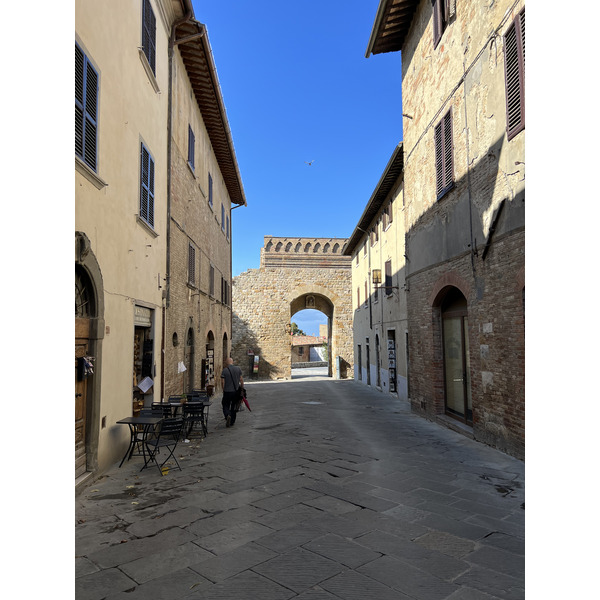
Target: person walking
[(231, 382)]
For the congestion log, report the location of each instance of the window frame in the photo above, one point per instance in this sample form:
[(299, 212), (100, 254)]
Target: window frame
[(149, 34), (191, 265), (87, 105), (388, 278), (147, 184), (440, 21), (210, 190), (444, 155), (514, 75), (222, 217), (211, 281), (191, 148)]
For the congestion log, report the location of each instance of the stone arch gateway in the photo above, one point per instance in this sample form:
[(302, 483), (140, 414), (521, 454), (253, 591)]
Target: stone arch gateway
[(289, 280)]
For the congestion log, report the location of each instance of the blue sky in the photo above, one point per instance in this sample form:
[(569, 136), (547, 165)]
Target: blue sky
[(298, 88)]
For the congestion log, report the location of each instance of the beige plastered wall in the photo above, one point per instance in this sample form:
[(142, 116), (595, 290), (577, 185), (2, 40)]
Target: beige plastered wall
[(132, 109)]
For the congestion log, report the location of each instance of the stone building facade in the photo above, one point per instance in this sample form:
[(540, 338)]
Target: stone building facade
[(379, 285), (144, 77), (463, 69), (204, 185), (294, 274), (121, 188)]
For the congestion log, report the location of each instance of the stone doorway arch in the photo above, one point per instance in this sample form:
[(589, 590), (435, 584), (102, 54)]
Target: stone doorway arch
[(295, 274)]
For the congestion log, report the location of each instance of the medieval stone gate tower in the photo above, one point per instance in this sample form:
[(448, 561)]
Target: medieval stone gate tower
[(294, 274)]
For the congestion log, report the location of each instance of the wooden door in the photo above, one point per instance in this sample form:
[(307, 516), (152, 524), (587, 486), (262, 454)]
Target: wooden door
[(82, 332)]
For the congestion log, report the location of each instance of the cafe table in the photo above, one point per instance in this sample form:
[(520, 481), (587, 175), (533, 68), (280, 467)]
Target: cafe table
[(147, 424)]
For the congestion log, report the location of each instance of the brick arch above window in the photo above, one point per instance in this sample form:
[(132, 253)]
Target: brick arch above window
[(451, 279)]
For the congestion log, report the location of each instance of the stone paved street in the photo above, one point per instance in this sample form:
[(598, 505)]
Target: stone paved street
[(326, 490)]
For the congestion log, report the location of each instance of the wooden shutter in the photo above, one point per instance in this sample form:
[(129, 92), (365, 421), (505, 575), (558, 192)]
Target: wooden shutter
[(388, 277), (191, 147), (191, 264), (149, 35), (438, 21), (211, 281), (514, 71), (86, 109), (444, 159), (147, 187)]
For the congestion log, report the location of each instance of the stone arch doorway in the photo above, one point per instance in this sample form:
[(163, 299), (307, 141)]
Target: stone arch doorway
[(89, 332), (323, 304), (295, 274)]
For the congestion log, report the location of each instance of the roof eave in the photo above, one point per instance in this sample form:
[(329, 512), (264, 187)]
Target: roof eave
[(218, 130), (384, 186)]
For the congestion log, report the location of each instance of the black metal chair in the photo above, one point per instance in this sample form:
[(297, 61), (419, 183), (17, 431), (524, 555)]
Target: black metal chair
[(168, 438), (193, 414), (161, 409)]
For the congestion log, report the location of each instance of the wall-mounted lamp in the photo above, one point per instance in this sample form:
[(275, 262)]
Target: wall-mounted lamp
[(376, 276)]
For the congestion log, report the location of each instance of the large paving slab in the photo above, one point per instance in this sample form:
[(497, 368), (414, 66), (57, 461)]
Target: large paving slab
[(326, 490)]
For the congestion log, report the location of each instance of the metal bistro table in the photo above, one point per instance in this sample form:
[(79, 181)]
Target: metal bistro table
[(138, 437)]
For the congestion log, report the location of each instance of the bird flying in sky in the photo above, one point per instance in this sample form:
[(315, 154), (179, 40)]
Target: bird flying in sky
[(309, 163)]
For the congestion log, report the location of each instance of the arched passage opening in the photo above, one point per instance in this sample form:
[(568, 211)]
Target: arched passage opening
[(315, 314)]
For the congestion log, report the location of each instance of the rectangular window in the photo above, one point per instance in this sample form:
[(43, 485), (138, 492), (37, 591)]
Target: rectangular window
[(440, 19), (388, 277), (366, 294), (358, 297), (191, 265), (191, 147), (211, 281), (227, 226), (391, 212), (147, 187), (222, 217), (444, 155), (514, 72), (210, 190), (86, 109), (149, 34), (365, 249), (224, 291)]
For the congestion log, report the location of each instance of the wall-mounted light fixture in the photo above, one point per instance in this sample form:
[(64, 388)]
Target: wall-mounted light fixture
[(376, 276)]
